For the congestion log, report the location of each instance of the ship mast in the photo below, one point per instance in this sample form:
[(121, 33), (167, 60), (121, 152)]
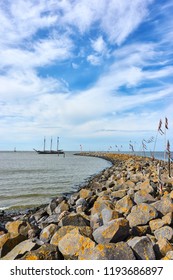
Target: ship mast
[(57, 143), (44, 144), (51, 144)]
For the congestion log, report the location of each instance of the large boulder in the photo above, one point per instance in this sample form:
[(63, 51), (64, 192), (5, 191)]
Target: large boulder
[(164, 206), (60, 233), (118, 251), (73, 243), (141, 214), (164, 232), (142, 247), (162, 247), (7, 243), (47, 233), (124, 205), (19, 250), (114, 231), (45, 252), (142, 196), (74, 219)]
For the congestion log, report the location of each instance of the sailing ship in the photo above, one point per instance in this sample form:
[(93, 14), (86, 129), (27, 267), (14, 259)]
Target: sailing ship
[(48, 152)]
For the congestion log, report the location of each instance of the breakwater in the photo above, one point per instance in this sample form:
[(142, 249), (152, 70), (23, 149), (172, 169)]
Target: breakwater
[(123, 213)]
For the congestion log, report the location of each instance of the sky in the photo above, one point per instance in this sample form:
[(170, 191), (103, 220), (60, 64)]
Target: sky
[(98, 74)]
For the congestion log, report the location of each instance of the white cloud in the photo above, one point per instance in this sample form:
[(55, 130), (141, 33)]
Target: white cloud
[(94, 59), (99, 45)]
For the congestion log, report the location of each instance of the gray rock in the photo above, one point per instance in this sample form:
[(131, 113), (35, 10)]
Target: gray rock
[(164, 232), (142, 247), (114, 231)]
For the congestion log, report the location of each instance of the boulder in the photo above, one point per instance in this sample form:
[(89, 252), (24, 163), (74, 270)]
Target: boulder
[(85, 193), (118, 194), (47, 233), (61, 232), (74, 243), (156, 224), (162, 247), (13, 227), (169, 256), (142, 196), (118, 251), (164, 206), (124, 205), (164, 232), (63, 206), (45, 252), (100, 204), (7, 243), (108, 215), (141, 214), (112, 232), (168, 218), (19, 250), (96, 220), (74, 219), (140, 230), (142, 247)]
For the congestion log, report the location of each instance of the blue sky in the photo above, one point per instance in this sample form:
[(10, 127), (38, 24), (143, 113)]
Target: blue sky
[(95, 73)]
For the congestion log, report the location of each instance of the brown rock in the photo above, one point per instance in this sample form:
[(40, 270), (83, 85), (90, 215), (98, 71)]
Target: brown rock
[(142, 247), (124, 205), (140, 230), (118, 194), (45, 252), (7, 243), (118, 251), (156, 224), (85, 193), (169, 256), (141, 214), (163, 246), (74, 243), (13, 227), (114, 231), (168, 218)]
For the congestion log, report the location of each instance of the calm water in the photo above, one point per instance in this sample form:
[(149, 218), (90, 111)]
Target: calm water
[(28, 179)]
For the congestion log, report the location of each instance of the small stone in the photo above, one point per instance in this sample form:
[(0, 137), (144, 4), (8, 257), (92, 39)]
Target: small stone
[(142, 247), (85, 193), (63, 206), (118, 194)]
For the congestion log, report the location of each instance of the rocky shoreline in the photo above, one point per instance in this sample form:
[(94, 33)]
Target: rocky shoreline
[(123, 213)]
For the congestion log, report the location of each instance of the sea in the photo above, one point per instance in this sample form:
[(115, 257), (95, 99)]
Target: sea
[(28, 179)]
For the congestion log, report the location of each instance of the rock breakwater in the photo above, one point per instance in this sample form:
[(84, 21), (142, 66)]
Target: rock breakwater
[(123, 213)]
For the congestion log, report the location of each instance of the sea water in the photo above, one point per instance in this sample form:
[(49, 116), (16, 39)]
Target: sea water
[(28, 179)]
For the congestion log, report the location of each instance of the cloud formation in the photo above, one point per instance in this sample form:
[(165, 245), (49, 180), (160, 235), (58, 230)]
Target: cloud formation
[(84, 70)]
